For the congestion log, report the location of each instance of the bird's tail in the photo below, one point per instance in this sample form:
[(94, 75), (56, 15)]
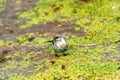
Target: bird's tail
[(50, 41)]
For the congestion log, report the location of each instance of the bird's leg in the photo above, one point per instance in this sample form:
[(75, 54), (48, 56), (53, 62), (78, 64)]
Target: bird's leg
[(65, 54), (56, 55)]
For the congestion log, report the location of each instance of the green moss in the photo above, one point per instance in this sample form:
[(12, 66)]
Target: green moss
[(1, 10), (3, 1), (76, 28), (99, 19), (2, 43)]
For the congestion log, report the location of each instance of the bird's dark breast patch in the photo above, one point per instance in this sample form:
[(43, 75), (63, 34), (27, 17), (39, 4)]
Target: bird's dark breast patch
[(61, 51)]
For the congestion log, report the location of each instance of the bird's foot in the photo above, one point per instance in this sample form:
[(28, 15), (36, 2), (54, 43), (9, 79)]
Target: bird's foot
[(56, 55), (65, 54)]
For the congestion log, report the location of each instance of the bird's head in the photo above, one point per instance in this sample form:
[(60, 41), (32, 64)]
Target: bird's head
[(58, 37)]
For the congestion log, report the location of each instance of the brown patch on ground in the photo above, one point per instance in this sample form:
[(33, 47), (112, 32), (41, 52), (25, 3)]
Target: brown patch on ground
[(9, 30), (3, 52), (110, 56), (23, 51), (43, 56), (9, 16), (52, 29), (118, 48)]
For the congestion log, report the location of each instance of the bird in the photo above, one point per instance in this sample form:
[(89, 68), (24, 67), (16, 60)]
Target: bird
[(59, 45)]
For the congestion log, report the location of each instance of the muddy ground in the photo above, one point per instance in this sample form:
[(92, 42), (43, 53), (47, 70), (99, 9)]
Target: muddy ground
[(9, 30)]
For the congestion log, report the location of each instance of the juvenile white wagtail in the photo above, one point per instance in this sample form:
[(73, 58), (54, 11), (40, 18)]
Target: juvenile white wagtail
[(59, 44)]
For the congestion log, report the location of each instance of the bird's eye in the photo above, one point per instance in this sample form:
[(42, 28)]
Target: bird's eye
[(56, 37)]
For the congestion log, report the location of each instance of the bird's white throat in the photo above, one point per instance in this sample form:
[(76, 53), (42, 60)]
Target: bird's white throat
[(60, 44)]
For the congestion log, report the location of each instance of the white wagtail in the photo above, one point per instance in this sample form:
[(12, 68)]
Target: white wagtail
[(59, 44)]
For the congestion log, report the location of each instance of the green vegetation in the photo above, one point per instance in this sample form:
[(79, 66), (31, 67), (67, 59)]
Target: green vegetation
[(2, 1), (2, 43), (2, 7), (90, 57)]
